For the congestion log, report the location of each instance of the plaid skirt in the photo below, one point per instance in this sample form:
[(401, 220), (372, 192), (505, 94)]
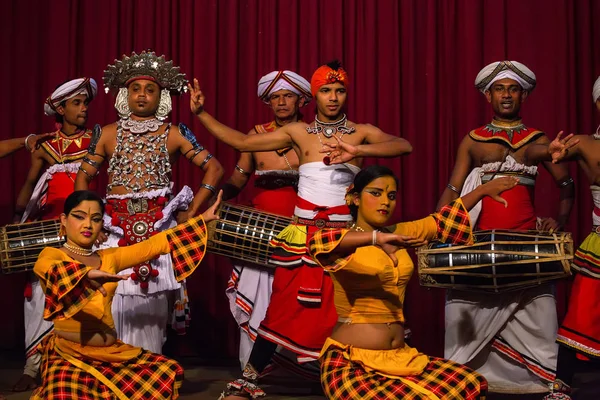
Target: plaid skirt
[(442, 379), (147, 376)]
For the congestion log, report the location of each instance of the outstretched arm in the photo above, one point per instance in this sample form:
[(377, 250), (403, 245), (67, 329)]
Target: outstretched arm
[(236, 139), (31, 142)]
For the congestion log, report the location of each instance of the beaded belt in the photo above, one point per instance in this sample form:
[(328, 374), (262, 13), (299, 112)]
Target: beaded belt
[(270, 182), (596, 229), (321, 223)]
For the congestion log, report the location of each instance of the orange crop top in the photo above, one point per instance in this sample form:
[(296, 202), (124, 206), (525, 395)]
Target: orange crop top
[(368, 288), (75, 306)]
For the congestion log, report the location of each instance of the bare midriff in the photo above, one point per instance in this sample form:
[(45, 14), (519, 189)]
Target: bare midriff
[(386, 336), (97, 339)]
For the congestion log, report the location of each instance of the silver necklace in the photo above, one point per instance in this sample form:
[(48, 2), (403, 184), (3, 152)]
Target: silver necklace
[(80, 251), (597, 134), (143, 126), (328, 129)]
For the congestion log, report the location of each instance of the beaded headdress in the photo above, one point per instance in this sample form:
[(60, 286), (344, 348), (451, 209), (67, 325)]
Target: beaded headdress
[(146, 65)]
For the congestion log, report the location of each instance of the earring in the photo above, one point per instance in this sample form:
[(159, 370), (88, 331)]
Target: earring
[(61, 230), (121, 104), (164, 105)]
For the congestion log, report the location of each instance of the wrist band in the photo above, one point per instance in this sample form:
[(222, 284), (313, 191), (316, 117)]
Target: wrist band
[(566, 182), (453, 188), (209, 187), (26, 139), (374, 243), (241, 170)]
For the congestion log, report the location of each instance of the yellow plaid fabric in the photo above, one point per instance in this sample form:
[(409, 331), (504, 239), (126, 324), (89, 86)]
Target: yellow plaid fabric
[(323, 243), (188, 246), (441, 379), (147, 376), (454, 225), (66, 292)]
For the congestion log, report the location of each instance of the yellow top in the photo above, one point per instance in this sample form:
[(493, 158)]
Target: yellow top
[(75, 306), (368, 288)]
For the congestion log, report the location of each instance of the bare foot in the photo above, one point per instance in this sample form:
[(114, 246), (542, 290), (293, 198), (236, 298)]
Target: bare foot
[(24, 383), (230, 397)]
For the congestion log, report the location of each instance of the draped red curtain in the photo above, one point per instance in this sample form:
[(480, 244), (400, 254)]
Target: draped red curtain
[(412, 65)]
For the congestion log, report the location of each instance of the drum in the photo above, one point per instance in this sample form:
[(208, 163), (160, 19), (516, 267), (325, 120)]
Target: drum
[(21, 244), (244, 233), (499, 261)]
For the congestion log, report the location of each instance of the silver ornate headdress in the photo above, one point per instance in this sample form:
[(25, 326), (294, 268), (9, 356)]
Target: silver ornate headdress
[(146, 64)]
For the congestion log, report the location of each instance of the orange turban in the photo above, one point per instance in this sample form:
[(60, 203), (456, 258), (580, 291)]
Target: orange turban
[(325, 75)]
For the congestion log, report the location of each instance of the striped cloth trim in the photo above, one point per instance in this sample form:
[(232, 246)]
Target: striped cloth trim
[(535, 367)]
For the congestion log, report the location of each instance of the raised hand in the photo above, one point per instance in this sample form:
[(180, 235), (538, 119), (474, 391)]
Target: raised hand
[(339, 152), (494, 187), (212, 213), (196, 98), (559, 148), (391, 243), (34, 142), (98, 278)]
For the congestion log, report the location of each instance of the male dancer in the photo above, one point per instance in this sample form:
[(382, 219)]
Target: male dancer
[(276, 182), (301, 315), (140, 148), (508, 338), (50, 181)]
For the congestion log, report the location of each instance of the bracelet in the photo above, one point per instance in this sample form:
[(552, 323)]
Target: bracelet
[(566, 182), (87, 173), (207, 159), (93, 163), (453, 188), (241, 170), (26, 139), (209, 187), (374, 242)]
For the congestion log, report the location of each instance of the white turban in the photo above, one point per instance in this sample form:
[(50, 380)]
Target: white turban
[(283, 80), (505, 69), (596, 91), (69, 90)]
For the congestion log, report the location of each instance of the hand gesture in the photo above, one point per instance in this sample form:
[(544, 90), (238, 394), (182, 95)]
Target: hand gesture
[(339, 152), (34, 142), (102, 237), (548, 225), (212, 213), (196, 98), (98, 278), (559, 148), (391, 243), (496, 186)]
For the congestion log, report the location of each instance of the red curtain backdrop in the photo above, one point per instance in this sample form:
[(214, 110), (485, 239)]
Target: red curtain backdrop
[(412, 65)]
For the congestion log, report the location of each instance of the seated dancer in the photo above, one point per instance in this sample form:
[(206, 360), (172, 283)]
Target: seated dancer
[(579, 334), (366, 356), (51, 178), (275, 183), (141, 149), (508, 337), (301, 313), (83, 358)]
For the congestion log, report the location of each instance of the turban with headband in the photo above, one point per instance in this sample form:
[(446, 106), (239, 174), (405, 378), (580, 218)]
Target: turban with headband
[(283, 80), (69, 90), (505, 69)]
